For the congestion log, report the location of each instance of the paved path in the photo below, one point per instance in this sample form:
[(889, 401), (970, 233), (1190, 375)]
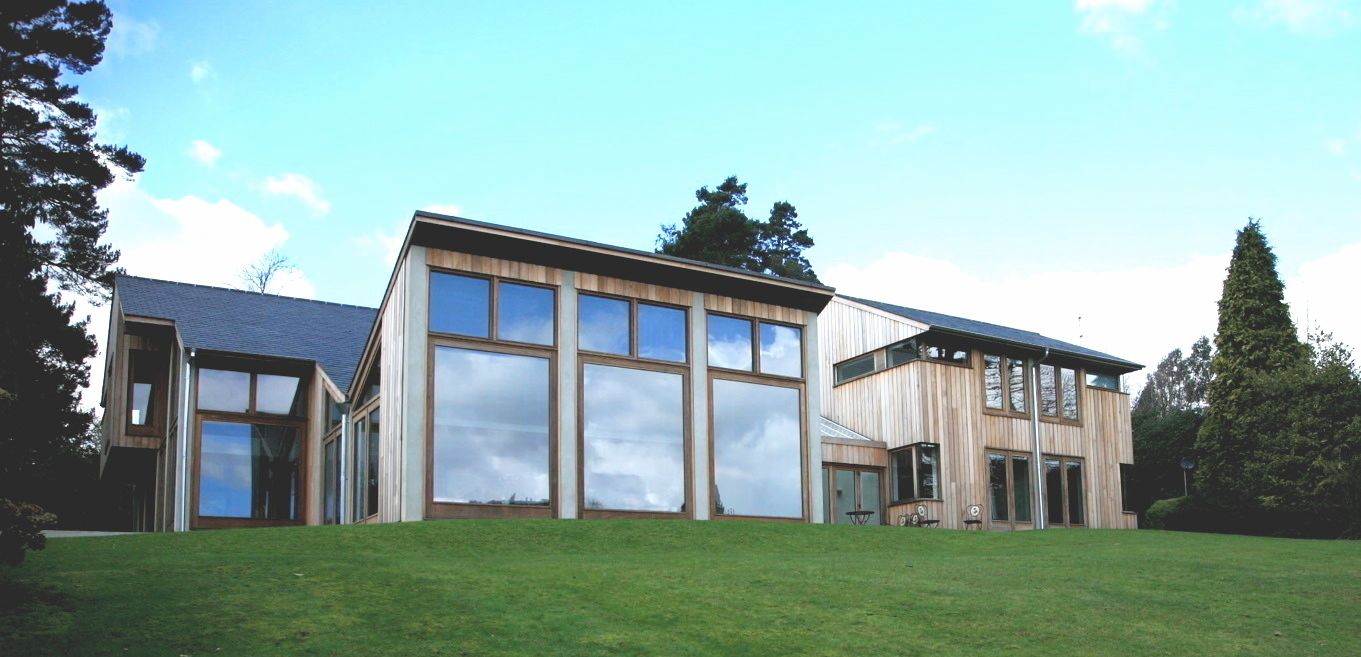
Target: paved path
[(70, 533)]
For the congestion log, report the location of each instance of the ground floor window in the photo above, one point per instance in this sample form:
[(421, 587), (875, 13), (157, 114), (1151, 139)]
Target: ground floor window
[(330, 467), (1009, 490), (249, 471), (852, 495), (915, 472), (491, 413), (1063, 491), (757, 449), (633, 439), (367, 440)]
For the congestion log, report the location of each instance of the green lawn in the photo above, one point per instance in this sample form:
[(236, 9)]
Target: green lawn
[(681, 588)]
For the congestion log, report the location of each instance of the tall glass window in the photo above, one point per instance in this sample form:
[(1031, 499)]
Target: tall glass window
[(1068, 378), (492, 428), (997, 488), (1020, 487), (1016, 384), (992, 381), (1074, 470), (249, 471), (757, 450), (1049, 396), (460, 305), (661, 333), (524, 313), (730, 343), (633, 439), (1053, 491), (330, 509), (603, 325), (928, 465), (781, 350), (371, 471)]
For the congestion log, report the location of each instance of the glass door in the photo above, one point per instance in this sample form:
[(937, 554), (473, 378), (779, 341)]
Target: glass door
[(852, 495), (1009, 491)]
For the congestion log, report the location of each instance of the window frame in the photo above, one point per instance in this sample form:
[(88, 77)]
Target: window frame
[(924, 345), (1011, 523), (875, 368), (1087, 376), (805, 483), (156, 400), (687, 451), (633, 330), (756, 323), (1126, 489), (829, 469), (1079, 377), (1063, 474), (493, 308), (1004, 361), (357, 482), (914, 449), (332, 437)]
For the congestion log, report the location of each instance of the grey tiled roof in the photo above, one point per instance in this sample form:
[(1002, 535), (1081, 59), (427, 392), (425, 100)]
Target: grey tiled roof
[(952, 324), (235, 321)]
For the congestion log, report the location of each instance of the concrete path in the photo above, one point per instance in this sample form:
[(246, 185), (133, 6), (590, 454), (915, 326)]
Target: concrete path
[(71, 533)]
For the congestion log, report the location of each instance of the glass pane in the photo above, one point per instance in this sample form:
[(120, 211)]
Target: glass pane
[(1069, 379), (1074, 492), (334, 411), (857, 366), (900, 473), (757, 450), (948, 354), (524, 313), (1126, 483), (603, 325), (869, 496), (992, 381), (371, 470), (902, 352), (223, 390), (634, 433), (781, 350), (927, 466), (1016, 384), (330, 509), (661, 333), (491, 428), (278, 395), (141, 404), (1107, 381), (1020, 487), (248, 471), (826, 499), (844, 494), (729, 342), (1053, 492), (1049, 403), (460, 305), (359, 461), (997, 486)]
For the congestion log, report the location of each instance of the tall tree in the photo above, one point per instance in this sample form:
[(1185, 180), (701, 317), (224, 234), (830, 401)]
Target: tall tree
[(718, 231), (1166, 419), (50, 227), (1255, 337), (260, 275)]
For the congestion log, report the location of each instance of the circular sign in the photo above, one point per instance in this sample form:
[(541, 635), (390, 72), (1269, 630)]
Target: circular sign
[(1188, 463)]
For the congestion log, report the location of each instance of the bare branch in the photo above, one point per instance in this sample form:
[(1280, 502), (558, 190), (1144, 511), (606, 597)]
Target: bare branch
[(258, 276)]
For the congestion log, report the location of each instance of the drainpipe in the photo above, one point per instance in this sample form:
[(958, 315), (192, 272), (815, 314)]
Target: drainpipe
[(1041, 521), (182, 460)]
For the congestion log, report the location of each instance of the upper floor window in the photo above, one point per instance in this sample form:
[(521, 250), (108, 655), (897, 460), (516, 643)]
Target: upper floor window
[(1058, 392), (231, 391), (625, 327), (765, 347), (145, 379), (903, 352), (480, 307), (946, 354), (1004, 383), (854, 368), (1100, 380)]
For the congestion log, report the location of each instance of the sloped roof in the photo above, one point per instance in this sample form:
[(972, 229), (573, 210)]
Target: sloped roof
[(240, 322), (984, 330)]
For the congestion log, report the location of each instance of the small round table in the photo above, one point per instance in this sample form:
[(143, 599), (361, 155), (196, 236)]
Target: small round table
[(860, 517)]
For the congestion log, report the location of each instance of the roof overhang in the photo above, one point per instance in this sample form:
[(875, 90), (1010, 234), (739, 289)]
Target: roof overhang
[(466, 236), (1113, 364)]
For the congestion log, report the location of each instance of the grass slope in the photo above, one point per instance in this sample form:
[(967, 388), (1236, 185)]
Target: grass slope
[(681, 588)]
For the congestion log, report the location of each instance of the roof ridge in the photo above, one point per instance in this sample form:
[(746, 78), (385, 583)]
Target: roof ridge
[(246, 292)]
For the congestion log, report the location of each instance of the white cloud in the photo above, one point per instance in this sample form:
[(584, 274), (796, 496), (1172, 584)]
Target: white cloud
[(1122, 22), (130, 36), (199, 71), (1139, 313), (384, 243), (892, 133), (300, 187), (1305, 17), (187, 239), (204, 152)]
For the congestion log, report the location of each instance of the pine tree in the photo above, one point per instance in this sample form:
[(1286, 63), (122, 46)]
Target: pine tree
[(1255, 337), (50, 227)]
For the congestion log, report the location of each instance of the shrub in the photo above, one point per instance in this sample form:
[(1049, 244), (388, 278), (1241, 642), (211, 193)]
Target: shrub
[(1176, 513), (21, 528)]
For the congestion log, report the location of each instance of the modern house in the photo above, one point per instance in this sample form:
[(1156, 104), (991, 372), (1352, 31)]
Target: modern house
[(510, 373)]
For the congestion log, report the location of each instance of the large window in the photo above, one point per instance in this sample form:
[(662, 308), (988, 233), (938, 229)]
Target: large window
[(757, 450), (230, 391), (624, 327), (249, 471), (330, 508), (1009, 490), (849, 492), (915, 472), (633, 439), (749, 345), (479, 307), (367, 443), (1063, 491), (492, 426), (1059, 392), (1004, 384)]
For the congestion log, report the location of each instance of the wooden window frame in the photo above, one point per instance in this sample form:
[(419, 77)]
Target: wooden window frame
[(884, 503), (633, 354), (450, 510), (585, 358), (1063, 472), (1004, 362), (493, 308), (355, 417), (332, 436), (159, 377), (875, 357), (1087, 374), (924, 345), (1126, 492), (1079, 375), (756, 323), (1011, 523), (805, 483), (914, 449)]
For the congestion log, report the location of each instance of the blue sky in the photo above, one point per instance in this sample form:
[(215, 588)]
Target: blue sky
[(1014, 162)]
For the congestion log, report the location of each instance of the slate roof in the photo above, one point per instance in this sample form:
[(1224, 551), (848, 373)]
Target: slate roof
[(234, 321), (1006, 334)]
